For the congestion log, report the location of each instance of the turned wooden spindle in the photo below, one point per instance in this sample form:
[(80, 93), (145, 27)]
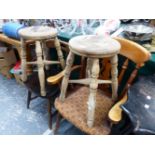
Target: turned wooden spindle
[(41, 73), (23, 60), (88, 68), (114, 74), (92, 95), (59, 52), (45, 53), (124, 68), (70, 60)]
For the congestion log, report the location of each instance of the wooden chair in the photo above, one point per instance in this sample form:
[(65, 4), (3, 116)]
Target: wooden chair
[(74, 109), (137, 54), (33, 87)]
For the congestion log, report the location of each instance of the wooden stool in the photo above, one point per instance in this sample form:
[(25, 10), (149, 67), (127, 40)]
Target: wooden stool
[(40, 34), (92, 47)]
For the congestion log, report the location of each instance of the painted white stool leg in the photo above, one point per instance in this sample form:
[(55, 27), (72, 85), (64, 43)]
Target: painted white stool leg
[(93, 91), (59, 52), (114, 74), (89, 67), (40, 64), (45, 53), (23, 60), (64, 84)]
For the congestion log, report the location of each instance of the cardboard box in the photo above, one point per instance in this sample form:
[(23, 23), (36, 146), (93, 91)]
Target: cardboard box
[(2, 51), (5, 71), (18, 79), (7, 58)]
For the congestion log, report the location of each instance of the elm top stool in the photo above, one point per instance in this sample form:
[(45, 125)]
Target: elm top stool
[(40, 34), (92, 47)]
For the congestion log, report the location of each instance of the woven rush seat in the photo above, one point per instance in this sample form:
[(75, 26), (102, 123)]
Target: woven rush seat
[(94, 46), (74, 109), (38, 32)]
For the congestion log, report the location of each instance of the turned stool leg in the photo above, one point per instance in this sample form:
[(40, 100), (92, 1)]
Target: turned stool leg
[(59, 52), (92, 93), (70, 60), (23, 60), (45, 53), (114, 74), (89, 67), (40, 64)]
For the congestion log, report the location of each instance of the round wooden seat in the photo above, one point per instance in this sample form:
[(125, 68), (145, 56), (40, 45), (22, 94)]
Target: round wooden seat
[(94, 46), (38, 32)]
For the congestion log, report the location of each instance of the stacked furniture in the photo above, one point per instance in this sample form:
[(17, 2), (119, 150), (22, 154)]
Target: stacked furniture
[(36, 82), (75, 106)]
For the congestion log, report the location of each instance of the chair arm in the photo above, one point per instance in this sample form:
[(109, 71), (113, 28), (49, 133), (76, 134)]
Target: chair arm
[(115, 113), (56, 78)]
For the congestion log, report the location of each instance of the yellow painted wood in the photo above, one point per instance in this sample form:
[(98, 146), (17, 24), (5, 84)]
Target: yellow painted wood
[(115, 113), (56, 78)]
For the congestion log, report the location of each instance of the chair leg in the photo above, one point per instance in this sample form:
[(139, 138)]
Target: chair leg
[(28, 99), (49, 113), (57, 123)]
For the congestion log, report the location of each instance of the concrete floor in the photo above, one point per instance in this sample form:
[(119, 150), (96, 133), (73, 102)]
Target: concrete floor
[(16, 119)]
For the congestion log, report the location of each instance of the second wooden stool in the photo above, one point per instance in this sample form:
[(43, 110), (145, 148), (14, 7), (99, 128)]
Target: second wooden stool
[(92, 47)]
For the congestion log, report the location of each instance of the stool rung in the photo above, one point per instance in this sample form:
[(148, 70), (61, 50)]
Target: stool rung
[(88, 80), (45, 62), (81, 81), (104, 81), (51, 62)]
